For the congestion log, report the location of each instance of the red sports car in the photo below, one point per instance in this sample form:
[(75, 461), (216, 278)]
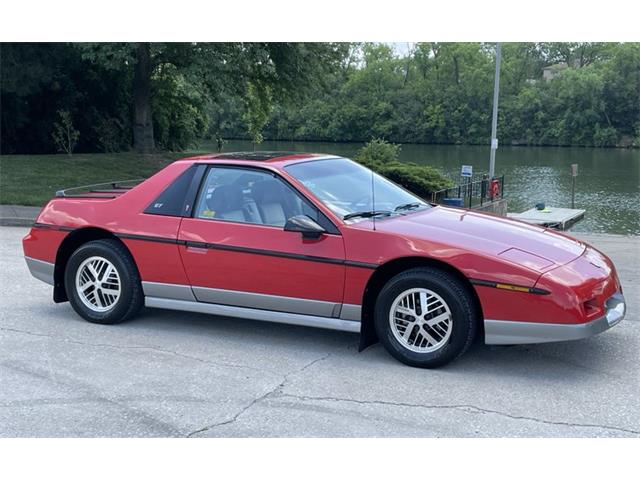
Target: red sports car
[(320, 241)]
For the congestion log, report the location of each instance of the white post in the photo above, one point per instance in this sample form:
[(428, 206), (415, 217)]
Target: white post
[(494, 120)]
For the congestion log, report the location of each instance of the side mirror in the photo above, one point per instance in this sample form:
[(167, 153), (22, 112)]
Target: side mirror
[(305, 225)]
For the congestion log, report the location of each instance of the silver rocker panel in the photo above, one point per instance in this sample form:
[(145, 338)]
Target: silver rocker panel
[(255, 314)]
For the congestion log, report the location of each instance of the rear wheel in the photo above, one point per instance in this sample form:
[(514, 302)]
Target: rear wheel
[(102, 282), (425, 317)]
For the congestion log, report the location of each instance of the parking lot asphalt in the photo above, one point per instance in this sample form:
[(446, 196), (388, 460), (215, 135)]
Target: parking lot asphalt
[(189, 375)]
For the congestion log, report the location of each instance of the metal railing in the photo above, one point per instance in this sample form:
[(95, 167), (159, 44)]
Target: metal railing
[(473, 193)]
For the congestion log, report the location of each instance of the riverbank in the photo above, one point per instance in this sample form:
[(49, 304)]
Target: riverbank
[(607, 186)]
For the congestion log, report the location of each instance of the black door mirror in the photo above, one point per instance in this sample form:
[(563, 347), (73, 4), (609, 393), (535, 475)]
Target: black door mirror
[(305, 225)]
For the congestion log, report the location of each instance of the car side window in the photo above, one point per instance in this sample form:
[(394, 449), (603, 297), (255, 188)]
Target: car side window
[(250, 196), (171, 202)]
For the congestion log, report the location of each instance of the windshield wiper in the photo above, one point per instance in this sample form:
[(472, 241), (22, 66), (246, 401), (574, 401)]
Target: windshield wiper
[(408, 206), (367, 214)]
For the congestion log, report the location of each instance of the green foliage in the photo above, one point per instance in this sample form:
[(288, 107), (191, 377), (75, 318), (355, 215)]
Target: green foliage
[(420, 179), (438, 93), (64, 135), (258, 105), (442, 93), (37, 80), (382, 157), (95, 81), (179, 111), (112, 56), (605, 136), (109, 135), (378, 152)]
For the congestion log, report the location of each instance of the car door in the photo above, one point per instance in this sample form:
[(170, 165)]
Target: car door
[(236, 252)]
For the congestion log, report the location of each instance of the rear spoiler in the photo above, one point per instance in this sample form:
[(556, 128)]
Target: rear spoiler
[(100, 190)]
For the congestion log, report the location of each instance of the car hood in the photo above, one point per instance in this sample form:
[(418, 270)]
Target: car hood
[(534, 247)]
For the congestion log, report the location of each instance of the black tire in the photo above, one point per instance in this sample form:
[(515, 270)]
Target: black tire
[(459, 301), (131, 297)]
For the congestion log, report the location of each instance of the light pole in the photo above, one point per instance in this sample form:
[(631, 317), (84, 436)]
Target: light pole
[(494, 119)]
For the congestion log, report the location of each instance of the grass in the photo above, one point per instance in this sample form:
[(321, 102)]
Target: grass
[(34, 179)]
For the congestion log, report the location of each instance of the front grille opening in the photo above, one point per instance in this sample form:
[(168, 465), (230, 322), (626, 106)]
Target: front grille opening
[(591, 307)]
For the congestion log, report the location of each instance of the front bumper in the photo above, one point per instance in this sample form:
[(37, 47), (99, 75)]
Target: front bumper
[(505, 332)]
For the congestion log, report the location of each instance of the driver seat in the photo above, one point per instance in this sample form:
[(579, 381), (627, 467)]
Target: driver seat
[(271, 199), (227, 203)]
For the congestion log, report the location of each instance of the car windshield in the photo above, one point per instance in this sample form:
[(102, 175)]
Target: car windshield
[(345, 187)]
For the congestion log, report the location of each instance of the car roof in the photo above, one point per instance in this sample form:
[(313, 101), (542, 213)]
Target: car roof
[(258, 157)]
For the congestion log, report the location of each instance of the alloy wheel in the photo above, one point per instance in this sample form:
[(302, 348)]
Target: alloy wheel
[(420, 320), (98, 284)]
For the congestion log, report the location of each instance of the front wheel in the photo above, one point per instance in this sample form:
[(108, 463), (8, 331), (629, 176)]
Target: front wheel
[(102, 282), (425, 317)]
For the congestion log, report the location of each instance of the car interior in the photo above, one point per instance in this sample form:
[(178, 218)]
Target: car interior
[(249, 197)]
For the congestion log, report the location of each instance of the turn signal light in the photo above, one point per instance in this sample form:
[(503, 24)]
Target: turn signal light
[(515, 288)]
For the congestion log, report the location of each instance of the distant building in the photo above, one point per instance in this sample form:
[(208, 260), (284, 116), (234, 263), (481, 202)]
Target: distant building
[(552, 71)]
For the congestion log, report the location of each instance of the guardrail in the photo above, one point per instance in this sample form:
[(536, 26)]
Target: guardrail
[(471, 194)]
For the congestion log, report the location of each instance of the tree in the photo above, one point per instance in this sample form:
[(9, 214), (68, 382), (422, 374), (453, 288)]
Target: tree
[(38, 80), (621, 76), (442, 93), (575, 54), (258, 106), (143, 140), (286, 70), (171, 95)]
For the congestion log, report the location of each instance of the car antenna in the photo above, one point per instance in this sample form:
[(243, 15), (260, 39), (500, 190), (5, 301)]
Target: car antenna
[(373, 200)]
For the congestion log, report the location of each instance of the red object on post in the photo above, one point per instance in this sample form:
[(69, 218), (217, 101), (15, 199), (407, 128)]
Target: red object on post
[(494, 189)]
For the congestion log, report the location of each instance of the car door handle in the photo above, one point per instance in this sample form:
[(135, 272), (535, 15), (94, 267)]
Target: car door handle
[(196, 247), (196, 250)]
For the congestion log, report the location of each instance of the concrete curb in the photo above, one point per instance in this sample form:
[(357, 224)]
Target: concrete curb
[(16, 222), (18, 215)]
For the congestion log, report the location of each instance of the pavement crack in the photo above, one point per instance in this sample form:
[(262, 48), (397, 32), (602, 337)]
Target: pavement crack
[(277, 389), (462, 407), (93, 393), (138, 347)]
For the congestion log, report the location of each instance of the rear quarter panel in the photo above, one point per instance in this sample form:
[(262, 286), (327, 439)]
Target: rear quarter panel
[(43, 243), (122, 216)]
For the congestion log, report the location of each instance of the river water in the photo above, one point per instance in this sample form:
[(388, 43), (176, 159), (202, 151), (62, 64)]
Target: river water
[(607, 187)]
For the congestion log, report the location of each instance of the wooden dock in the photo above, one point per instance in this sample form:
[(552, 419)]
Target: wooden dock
[(558, 218)]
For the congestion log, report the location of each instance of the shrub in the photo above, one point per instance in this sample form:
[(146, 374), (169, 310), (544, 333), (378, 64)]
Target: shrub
[(383, 158), (65, 136), (109, 134), (378, 152), (605, 137)]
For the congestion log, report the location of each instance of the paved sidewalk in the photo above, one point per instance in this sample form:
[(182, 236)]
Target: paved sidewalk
[(169, 373), (18, 215)]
